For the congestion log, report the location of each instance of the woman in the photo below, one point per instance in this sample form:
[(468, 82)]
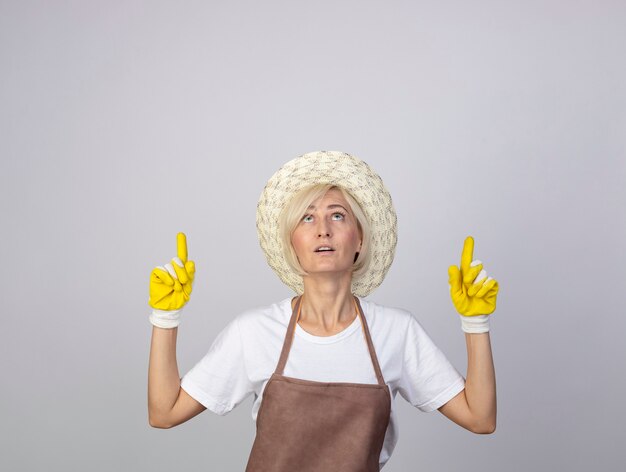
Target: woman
[(323, 387)]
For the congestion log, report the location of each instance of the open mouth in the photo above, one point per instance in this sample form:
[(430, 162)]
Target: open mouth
[(324, 249)]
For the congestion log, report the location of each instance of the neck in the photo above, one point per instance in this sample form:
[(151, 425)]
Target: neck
[(327, 304)]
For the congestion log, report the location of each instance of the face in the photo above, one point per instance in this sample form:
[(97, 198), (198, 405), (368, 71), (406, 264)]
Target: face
[(327, 237)]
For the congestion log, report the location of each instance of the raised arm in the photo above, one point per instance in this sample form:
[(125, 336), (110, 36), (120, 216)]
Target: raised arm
[(474, 297), (475, 407), (170, 288), (168, 404)]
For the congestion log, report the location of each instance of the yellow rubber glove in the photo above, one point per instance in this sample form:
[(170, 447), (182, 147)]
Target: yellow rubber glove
[(170, 285), (473, 294)]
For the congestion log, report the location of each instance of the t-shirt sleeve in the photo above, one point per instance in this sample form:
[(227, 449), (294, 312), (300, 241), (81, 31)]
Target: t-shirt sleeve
[(219, 380), (428, 379)]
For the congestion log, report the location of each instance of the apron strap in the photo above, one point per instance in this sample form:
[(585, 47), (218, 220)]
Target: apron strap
[(370, 344), (291, 331)]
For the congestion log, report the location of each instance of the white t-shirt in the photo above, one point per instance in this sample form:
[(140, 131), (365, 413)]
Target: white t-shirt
[(245, 354)]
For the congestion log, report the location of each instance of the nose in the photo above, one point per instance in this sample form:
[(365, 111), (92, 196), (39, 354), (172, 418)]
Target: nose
[(323, 230)]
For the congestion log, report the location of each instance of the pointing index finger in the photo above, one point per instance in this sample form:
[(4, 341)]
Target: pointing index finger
[(181, 247), (468, 254)]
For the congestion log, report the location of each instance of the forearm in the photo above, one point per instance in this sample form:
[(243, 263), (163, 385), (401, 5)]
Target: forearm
[(480, 384), (163, 376)]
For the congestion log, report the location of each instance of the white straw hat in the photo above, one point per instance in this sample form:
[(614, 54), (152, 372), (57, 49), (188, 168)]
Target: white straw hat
[(343, 170)]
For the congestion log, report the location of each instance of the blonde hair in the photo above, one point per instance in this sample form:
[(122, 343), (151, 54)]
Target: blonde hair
[(293, 212)]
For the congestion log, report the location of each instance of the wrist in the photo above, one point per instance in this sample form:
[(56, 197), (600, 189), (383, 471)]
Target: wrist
[(167, 319), (475, 324)]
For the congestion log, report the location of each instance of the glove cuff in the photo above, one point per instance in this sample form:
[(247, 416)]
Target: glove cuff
[(475, 324), (166, 319)]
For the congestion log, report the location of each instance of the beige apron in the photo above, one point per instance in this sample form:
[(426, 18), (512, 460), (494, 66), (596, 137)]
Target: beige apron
[(306, 426)]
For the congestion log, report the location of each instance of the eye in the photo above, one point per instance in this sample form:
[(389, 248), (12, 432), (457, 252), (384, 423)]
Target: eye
[(338, 216), (307, 218)]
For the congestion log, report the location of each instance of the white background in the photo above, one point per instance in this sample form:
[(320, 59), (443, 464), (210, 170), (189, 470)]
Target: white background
[(124, 122)]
